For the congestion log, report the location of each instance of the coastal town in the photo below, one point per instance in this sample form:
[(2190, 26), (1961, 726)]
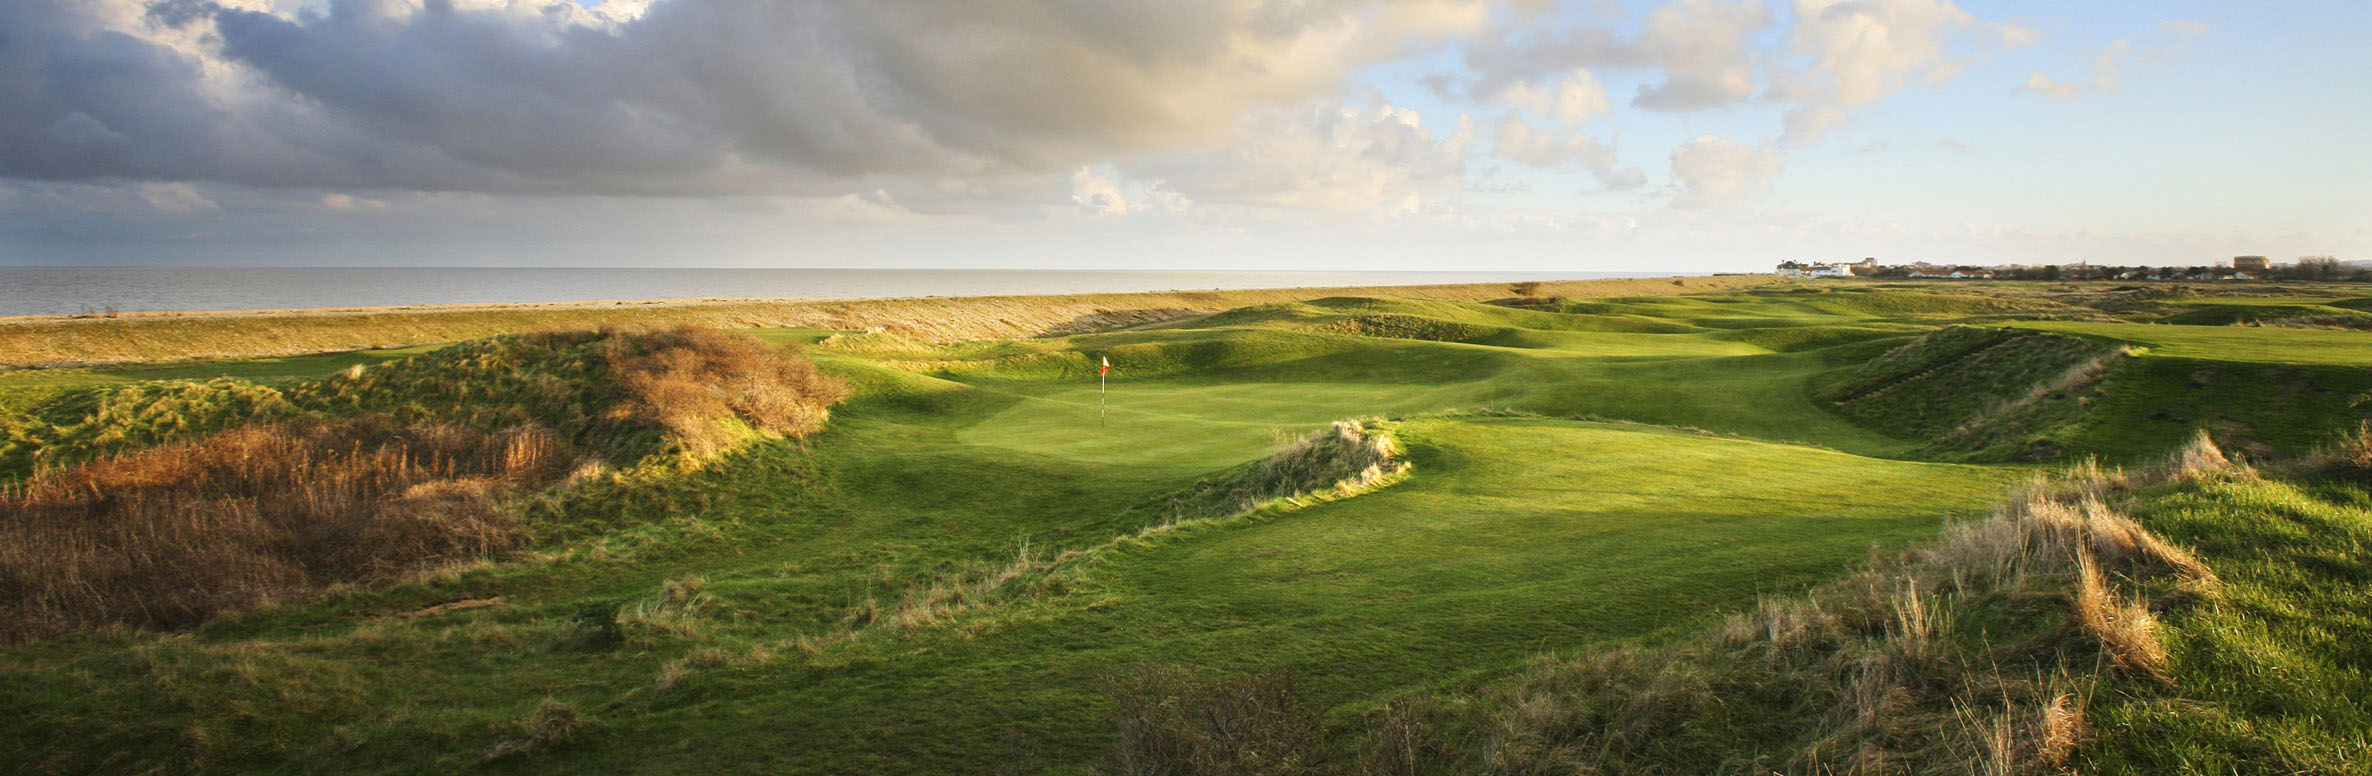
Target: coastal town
[(2239, 268)]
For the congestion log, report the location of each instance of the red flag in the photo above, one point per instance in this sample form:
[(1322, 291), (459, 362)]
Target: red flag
[(1107, 367)]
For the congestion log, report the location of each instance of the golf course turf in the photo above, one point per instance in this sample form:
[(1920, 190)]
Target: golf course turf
[(957, 571)]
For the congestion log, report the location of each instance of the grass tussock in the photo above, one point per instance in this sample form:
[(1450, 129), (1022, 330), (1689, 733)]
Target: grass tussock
[(368, 476), (553, 724), (2347, 458), (1174, 722), (1348, 457)]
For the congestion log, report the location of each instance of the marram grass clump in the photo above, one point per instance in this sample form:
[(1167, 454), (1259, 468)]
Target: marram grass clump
[(1346, 458)]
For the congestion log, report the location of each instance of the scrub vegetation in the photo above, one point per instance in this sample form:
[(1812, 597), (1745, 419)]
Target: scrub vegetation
[(1726, 526)]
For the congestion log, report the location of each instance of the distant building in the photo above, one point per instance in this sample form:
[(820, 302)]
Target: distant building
[(1814, 269), (2251, 263)]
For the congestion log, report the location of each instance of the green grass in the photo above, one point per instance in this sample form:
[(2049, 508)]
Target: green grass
[(1587, 474), (2229, 343), (2271, 677)]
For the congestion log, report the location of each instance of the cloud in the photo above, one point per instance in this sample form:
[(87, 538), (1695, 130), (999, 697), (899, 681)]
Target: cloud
[(1713, 171), (1519, 142), (1955, 146), (1700, 47), (2105, 67), (1095, 193), (1807, 124), (1866, 50), (2037, 83), (2108, 65), (1380, 160), (1576, 98), (680, 97), (174, 198)]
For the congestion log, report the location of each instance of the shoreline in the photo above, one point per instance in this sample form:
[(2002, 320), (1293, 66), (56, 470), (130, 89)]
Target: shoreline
[(53, 341)]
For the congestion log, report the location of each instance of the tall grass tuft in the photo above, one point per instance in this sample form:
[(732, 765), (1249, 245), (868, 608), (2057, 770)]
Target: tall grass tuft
[(1346, 458), (1174, 722), (168, 537)]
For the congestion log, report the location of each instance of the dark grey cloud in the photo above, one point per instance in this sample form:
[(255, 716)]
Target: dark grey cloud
[(692, 96)]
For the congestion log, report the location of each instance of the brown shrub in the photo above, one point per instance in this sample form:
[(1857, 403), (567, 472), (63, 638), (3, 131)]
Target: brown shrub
[(1173, 722), (686, 378), (168, 537)]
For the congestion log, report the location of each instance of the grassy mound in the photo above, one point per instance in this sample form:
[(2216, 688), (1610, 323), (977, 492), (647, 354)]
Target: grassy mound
[(1349, 457), (623, 396), (271, 494), (2105, 623), (1961, 378)]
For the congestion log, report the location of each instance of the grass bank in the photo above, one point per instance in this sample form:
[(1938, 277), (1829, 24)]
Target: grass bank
[(60, 340)]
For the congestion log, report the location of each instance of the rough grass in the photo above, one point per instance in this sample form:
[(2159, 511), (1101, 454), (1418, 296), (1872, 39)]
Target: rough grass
[(168, 537), (620, 395), (1349, 457), (282, 504), (687, 379), (38, 341)]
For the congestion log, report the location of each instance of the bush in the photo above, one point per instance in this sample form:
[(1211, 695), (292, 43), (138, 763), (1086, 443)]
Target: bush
[(1174, 722), (685, 379)]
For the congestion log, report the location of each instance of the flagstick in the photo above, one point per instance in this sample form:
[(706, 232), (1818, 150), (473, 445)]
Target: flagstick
[(1099, 399)]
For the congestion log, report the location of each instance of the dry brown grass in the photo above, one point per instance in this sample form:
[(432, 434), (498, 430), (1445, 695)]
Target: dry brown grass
[(686, 379), (2349, 458), (168, 537), (1172, 722)]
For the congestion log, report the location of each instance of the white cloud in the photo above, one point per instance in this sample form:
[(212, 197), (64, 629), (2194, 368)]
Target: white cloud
[(1095, 193), (1519, 141), (2183, 28), (1575, 99), (1806, 124), (1322, 159), (2105, 67), (1702, 47), (1866, 50), (1713, 171)]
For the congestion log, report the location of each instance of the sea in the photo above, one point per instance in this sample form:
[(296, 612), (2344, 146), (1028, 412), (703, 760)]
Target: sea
[(82, 290)]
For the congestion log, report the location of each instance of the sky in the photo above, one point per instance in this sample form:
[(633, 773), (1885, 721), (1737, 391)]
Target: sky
[(1583, 136)]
